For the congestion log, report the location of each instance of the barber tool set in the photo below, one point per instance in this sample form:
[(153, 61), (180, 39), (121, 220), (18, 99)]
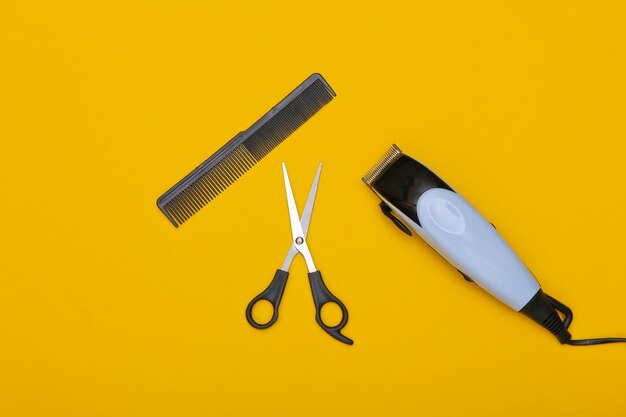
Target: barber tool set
[(412, 196)]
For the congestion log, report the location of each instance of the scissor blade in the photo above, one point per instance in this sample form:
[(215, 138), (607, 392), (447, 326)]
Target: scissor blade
[(297, 233), (305, 220), (294, 218)]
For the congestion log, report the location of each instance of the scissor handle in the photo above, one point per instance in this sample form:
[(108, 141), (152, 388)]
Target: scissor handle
[(321, 296), (273, 293)]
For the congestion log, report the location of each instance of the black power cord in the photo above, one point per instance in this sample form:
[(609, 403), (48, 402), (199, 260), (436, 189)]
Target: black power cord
[(568, 316)]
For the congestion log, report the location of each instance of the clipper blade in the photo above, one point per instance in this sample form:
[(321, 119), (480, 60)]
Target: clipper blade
[(386, 160)]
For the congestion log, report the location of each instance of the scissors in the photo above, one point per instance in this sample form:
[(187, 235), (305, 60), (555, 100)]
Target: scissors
[(321, 295)]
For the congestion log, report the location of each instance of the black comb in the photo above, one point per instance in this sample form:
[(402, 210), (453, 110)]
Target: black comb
[(243, 151)]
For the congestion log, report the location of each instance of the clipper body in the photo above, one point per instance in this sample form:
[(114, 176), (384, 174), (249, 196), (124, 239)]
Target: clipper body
[(457, 231)]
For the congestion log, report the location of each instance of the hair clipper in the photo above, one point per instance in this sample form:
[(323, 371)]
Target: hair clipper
[(412, 195)]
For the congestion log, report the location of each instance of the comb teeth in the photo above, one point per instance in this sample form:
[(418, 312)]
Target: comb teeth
[(288, 119), (242, 152), (204, 189), (387, 158)]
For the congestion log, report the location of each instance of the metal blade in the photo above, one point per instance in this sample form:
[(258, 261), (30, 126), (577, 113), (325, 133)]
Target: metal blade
[(305, 220), (294, 218), (297, 233), (308, 207)]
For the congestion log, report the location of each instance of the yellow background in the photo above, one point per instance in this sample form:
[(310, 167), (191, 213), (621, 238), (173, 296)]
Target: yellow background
[(108, 310)]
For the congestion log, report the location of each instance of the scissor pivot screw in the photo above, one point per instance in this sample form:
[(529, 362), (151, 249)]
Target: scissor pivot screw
[(299, 241)]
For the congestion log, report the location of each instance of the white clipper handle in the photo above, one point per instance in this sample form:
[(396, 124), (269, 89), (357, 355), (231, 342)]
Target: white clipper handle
[(469, 242)]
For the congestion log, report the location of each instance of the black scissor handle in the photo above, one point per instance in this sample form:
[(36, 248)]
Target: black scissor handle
[(321, 296), (273, 293)]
